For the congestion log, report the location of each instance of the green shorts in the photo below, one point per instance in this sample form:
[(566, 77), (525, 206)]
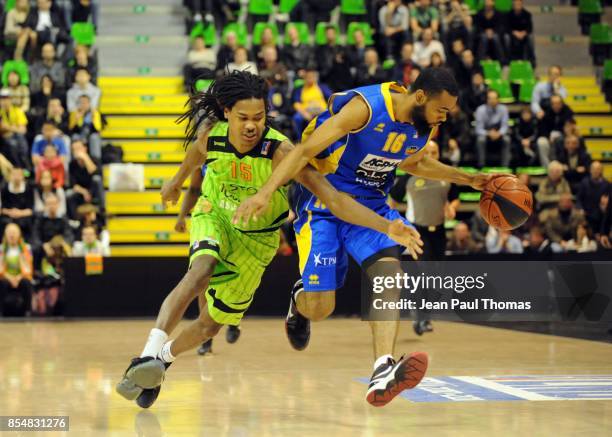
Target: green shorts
[(242, 259)]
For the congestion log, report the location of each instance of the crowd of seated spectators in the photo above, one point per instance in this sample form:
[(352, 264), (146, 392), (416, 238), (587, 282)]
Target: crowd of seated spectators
[(50, 152)]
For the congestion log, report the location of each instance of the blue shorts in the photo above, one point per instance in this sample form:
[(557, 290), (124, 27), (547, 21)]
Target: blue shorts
[(324, 241)]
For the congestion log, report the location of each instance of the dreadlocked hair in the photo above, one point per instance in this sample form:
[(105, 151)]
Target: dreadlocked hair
[(206, 107)]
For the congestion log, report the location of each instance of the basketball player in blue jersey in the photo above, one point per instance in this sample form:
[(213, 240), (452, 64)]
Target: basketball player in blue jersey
[(358, 143)]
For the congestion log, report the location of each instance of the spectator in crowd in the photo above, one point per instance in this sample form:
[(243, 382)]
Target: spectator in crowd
[(88, 215), (520, 33), (268, 40), (225, 55), (89, 244), (51, 161), (583, 239), (453, 60), (427, 46), (560, 223), (331, 60), (273, 71), (590, 192), (575, 162), (478, 227), (296, 55), (81, 11), (17, 202), (461, 242), (474, 96), (501, 241), (370, 71), (20, 94), (43, 25), (86, 124), (241, 62), (15, 21), (356, 51), (81, 87), (550, 189), (46, 186), (201, 62), (492, 130), (436, 60), (51, 136), (457, 23), (16, 271), (424, 16), (13, 128), (49, 66), (570, 128), (543, 91), (403, 69), (86, 183), (313, 11), (49, 225), (538, 244), (54, 113), (394, 22), (489, 27), (52, 275), (551, 124), (466, 69), (309, 100), (524, 136), (40, 99), (82, 59), (606, 221), (455, 135)]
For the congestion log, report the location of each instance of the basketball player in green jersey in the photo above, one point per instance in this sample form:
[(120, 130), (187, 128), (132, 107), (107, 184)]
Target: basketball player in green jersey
[(230, 134)]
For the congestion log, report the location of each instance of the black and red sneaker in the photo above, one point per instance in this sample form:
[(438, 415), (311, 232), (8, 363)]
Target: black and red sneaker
[(392, 378), (296, 325)]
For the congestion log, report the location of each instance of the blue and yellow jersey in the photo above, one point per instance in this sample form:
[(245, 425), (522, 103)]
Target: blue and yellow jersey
[(363, 162)]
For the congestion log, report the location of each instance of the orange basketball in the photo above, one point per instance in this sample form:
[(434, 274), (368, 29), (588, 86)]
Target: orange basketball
[(506, 203)]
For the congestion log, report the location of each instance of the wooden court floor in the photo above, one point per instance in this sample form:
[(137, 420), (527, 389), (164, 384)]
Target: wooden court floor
[(261, 387)]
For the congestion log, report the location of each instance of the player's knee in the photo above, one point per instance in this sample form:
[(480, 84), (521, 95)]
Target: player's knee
[(208, 328), (317, 306), (200, 273)]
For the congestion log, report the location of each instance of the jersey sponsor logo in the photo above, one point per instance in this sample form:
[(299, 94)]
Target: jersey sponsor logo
[(313, 280), (322, 261), (235, 192), (374, 170), (219, 143), (380, 127), (411, 150), (265, 148)]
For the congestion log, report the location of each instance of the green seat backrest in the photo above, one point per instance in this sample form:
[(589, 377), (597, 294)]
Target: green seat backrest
[(287, 6), (83, 33), (503, 5), (353, 7), (521, 71), (239, 29), (260, 7), (526, 91), (492, 70), (607, 72), (504, 90), (209, 33), (474, 5), (589, 6), (20, 67), (600, 33), (320, 33), (303, 32), (364, 27), (10, 4), (260, 27)]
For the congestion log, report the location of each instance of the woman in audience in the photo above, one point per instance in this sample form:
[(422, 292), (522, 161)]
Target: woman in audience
[(46, 187), (15, 273)]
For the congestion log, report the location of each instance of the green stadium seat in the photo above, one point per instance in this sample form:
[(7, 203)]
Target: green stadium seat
[(202, 84), (320, 33), (10, 4), (503, 5), (388, 64), (239, 29), (504, 90), (287, 6), (20, 67), (209, 33), (474, 5), (83, 33), (600, 33), (258, 31), (531, 171), (492, 70), (589, 12), (364, 27), (260, 7), (521, 71), (496, 170), (303, 32), (607, 80), (607, 71), (353, 7), (526, 91)]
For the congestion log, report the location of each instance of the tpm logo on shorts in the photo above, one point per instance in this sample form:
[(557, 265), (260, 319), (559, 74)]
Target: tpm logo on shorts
[(320, 261)]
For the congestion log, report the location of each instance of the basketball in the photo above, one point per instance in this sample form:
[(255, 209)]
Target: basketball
[(506, 203)]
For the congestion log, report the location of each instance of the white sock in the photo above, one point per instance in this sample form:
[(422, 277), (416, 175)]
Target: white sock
[(156, 340), (381, 360), (165, 354)]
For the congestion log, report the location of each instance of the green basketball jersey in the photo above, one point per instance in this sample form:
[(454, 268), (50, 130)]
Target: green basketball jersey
[(232, 176)]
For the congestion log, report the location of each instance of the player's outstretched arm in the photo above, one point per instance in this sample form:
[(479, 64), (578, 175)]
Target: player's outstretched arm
[(189, 200), (428, 168), (349, 210), (194, 158), (351, 117)]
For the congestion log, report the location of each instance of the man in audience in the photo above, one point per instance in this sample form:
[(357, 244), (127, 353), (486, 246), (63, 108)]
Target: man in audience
[(50, 66), (370, 72), (424, 16), (461, 242), (538, 244), (309, 101), (492, 130), (394, 22), (82, 86), (501, 241), (543, 91), (426, 47), (550, 189), (550, 126), (50, 224), (89, 244), (225, 55), (43, 25), (475, 95), (86, 183), (520, 33), (575, 161), (297, 56), (86, 124), (13, 128), (590, 192), (489, 27), (50, 136), (403, 69), (560, 223)]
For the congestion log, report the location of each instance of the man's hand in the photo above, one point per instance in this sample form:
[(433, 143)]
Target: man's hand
[(252, 207), (406, 236), (170, 192), (604, 240), (180, 225), (480, 180)]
